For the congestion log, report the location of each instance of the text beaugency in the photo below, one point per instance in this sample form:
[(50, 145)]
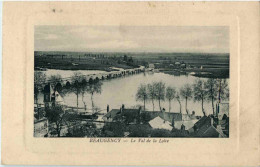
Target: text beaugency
[(105, 140)]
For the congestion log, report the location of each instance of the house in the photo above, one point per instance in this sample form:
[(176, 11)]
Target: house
[(206, 127), (110, 116), (131, 115), (57, 98), (151, 66), (187, 124), (177, 63), (123, 114), (135, 116), (183, 65), (159, 123), (169, 116), (51, 97)]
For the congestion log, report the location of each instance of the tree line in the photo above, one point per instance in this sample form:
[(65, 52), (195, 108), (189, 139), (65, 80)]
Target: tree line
[(79, 86), (210, 90)]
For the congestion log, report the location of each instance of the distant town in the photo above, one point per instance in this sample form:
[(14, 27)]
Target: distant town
[(53, 117)]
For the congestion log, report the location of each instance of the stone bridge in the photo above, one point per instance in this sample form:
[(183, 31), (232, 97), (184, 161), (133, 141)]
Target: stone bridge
[(100, 76)]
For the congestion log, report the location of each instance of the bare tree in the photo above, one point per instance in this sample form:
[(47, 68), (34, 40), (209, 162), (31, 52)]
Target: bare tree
[(76, 78), (170, 95), (212, 91), (199, 92), (179, 100), (142, 94), (39, 81), (186, 93), (160, 92), (223, 89), (152, 92), (83, 90)]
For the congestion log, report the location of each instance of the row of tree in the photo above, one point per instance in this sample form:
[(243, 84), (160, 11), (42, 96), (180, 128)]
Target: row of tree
[(79, 86), (201, 91)]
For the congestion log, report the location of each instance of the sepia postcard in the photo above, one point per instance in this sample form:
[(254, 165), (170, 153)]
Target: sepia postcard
[(123, 83)]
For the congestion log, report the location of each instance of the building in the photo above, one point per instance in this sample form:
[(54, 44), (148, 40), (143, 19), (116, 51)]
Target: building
[(169, 116), (159, 123), (183, 65), (41, 128), (111, 115), (127, 115), (187, 124), (206, 127), (135, 116), (47, 99), (51, 97), (151, 66)]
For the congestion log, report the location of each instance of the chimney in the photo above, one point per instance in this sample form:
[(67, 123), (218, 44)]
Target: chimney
[(122, 109), (139, 114), (211, 120), (163, 113), (107, 108), (182, 127), (193, 112), (139, 110), (173, 122)]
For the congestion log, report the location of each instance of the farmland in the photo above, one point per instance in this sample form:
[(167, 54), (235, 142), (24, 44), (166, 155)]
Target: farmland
[(203, 64)]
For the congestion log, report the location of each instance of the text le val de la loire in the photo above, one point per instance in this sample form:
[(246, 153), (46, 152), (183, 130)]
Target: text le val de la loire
[(128, 140)]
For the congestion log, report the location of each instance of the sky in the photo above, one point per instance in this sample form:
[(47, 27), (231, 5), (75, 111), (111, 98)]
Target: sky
[(132, 39)]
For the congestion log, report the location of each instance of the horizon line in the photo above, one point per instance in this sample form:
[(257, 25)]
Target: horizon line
[(132, 52)]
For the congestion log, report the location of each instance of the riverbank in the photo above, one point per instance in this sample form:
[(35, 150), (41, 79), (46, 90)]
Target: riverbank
[(202, 73)]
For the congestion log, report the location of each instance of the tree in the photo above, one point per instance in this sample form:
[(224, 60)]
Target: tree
[(170, 95), (199, 92), (160, 92), (223, 89), (142, 94), (39, 81), (212, 91), (186, 93), (76, 78), (92, 89), (83, 90), (152, 92), (179, 100), (56, 115)]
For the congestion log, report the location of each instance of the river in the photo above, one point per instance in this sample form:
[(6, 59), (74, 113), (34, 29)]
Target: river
[(118, 91)]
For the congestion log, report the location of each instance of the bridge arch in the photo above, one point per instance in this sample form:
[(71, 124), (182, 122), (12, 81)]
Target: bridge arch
[(96, 79), (58, 87), (84, 81), (67, 85), (90, 80)]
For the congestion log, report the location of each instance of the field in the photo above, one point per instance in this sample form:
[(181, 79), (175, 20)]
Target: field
[(202, 64)]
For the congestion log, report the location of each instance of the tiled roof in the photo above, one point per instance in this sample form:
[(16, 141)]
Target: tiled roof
[(204, 120), (112, 113), (134, 112), (207, 131), (188, 124)]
